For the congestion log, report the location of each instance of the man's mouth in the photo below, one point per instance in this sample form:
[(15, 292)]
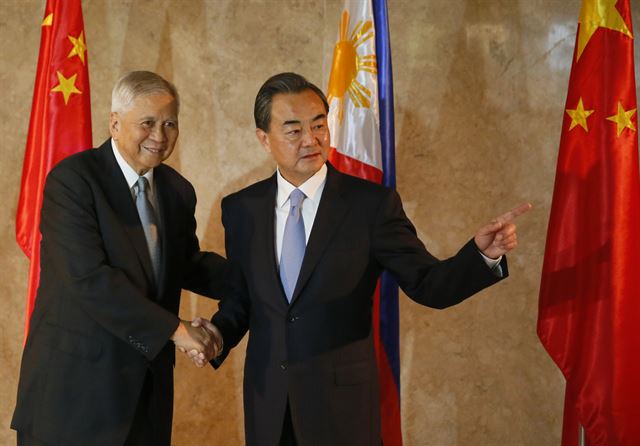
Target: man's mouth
[(155, 151)]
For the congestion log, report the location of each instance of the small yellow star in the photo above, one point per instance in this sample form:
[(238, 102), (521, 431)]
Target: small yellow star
[(579, 116), (79, 46), (66, 86), (599, 14), (623, 119), (48, 20)]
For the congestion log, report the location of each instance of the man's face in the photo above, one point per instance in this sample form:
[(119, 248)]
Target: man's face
[(298, 136), (146, 133)]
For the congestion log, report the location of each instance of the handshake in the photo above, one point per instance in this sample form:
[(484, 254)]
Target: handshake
[(199, 339)]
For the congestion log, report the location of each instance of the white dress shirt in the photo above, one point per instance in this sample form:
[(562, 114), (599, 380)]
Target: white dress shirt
[(312, 189), (131, 176)]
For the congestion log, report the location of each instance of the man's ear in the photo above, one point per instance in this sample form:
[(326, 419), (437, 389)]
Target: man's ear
[(114, 125), (263, 137)]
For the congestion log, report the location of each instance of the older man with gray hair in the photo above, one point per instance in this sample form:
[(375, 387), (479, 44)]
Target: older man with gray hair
[(118, 245)]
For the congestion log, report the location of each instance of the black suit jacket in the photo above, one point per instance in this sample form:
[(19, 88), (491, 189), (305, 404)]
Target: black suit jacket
[(318, 352), (100, 323)]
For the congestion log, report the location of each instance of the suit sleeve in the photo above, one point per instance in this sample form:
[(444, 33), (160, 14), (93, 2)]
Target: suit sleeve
[(70, 228), (207, 273), (425, 279), (234, 311)]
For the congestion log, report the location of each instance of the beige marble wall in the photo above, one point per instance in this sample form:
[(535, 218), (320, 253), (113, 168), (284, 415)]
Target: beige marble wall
[(480, 89)]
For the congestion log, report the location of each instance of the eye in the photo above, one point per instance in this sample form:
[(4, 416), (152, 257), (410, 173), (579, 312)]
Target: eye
[(293, 132), (318, 126), (171, 124), (147, 124)]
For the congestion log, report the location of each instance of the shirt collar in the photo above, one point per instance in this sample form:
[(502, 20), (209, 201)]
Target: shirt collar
[(129, 174), (310, 188)]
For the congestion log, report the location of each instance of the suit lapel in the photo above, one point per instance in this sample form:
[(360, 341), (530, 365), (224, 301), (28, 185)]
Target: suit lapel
[(265, 219), (331, 211), (165, 210), (120, 197)]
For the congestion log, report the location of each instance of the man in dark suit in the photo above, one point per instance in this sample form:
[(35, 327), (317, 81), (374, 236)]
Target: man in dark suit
[(310, 372), (118, 245)]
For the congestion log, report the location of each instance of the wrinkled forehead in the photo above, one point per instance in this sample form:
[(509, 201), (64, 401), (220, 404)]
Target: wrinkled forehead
[(160, 103)]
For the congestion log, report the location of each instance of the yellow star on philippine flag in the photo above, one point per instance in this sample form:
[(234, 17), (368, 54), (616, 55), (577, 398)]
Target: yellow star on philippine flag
[(579, 116), (67, 86), (623, 119), (79, 46), (599, 14)]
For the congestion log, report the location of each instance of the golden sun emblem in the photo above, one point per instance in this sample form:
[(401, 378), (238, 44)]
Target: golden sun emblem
[(347, 63)]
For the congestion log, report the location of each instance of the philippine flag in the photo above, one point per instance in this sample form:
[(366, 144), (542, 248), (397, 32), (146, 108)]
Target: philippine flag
[(360, 95)]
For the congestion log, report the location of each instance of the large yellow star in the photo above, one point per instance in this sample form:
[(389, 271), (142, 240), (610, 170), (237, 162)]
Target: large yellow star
[(48, 20), (599, 14), (623, 119), (79, 46), (66, 86), (579, 116)]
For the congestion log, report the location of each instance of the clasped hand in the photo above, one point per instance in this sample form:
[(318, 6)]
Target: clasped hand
[(199, 339)]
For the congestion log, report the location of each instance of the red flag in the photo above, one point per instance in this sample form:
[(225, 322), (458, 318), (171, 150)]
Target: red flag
[(589, 315), (60, 121)]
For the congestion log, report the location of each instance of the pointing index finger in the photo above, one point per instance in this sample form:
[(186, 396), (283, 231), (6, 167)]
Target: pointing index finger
[(513, 213)]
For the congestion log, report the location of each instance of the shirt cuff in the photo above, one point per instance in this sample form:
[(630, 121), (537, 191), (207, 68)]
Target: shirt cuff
[(493, 264)]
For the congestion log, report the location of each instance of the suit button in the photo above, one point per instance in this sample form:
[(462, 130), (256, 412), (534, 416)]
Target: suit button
[(292, 318), (283, 365)]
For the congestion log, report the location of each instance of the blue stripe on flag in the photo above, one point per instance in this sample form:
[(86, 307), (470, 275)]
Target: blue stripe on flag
[(389, 312)]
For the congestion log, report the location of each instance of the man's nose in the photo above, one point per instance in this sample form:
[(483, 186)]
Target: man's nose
[(308, 138), (158, 133)]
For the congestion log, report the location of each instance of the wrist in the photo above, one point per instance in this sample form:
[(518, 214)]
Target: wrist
[(180, 331)]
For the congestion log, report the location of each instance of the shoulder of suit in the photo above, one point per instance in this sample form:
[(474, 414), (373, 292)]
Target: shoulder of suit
[(172, 180), (84, 163), (168, 172), (255, 190), (360, 186), (79, 159)]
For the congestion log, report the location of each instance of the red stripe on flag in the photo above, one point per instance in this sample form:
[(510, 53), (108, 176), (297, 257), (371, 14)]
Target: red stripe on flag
[(352, 166), (389, 398)]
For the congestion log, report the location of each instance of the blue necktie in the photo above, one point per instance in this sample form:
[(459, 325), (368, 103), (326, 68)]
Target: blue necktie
[(149, 224), (293, 244)]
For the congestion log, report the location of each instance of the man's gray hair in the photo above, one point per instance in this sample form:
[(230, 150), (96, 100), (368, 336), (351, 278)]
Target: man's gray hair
[(139, 83)]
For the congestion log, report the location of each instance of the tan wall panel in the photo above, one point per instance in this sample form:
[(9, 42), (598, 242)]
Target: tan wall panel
[(480, 89)]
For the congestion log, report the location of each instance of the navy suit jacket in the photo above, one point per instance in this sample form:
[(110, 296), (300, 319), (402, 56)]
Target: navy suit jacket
[(100, 321), (318, 352)]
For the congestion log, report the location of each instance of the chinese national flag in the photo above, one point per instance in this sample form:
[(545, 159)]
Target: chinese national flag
[(60, 121), (589, 315)]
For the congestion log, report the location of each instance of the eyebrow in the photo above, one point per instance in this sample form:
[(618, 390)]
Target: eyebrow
[(295, 121), (155, 118)]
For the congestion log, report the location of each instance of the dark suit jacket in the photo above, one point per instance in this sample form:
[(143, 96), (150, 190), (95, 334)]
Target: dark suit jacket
[(318, 352), (99, 322)]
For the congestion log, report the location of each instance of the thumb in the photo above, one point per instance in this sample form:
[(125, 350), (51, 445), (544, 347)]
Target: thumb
[(490, 228)]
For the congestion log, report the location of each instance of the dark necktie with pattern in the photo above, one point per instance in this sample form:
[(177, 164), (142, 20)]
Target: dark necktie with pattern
[(149, 224)]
